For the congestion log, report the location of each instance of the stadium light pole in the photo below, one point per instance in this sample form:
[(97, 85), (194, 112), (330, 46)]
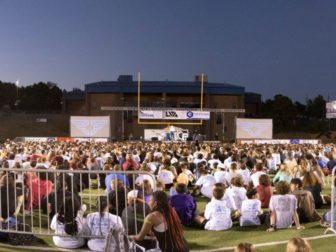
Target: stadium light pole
[(17, 82)]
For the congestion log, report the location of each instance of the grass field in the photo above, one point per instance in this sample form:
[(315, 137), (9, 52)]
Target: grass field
[(207, 240)]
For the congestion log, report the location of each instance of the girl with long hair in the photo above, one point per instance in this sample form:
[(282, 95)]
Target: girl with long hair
[(100, 223), (165, 224), (311, 183), (69, 221)]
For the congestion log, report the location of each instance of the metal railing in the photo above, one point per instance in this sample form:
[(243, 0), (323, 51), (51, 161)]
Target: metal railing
[(35, 191), (332, 209)]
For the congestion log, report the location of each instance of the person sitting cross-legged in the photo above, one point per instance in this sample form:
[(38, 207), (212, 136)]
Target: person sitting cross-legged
[(306, 206), (250, 209), (186, 208), (283, 208), (217, 213)]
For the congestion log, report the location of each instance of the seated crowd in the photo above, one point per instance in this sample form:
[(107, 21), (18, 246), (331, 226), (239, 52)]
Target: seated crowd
[(251, 185)]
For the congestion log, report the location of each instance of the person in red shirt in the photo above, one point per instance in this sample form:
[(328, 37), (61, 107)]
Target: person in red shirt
[(130, 164), (264, 190), (39, 187)]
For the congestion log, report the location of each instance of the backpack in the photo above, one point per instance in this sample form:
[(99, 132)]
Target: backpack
[(17, 239)]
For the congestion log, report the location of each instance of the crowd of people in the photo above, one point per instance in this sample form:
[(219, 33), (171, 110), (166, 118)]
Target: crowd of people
[(273, 185)]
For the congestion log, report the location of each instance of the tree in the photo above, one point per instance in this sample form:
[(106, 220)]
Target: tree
[(41, 97), (316, 107), (282, 110), (301, 109), (7, 94)]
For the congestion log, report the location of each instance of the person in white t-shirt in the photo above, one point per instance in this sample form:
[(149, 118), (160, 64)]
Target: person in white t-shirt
[(69, 221), (237, 191), (214, 160), (220, 175), (217, 214), (277, 158), (200, 159), (100, 223), (250, 209), (139, 180), (233, 173), (166, 176), (205, 183), (227, 162), (255, 176), (283, 208), (270, 163), (245, 173), (198, 151)]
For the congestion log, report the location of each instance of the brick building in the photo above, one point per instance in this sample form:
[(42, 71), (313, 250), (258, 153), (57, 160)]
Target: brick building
[(119, 100)]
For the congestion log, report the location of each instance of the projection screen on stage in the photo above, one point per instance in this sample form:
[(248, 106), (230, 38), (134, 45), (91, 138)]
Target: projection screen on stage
[(254, 128), (90, 126)]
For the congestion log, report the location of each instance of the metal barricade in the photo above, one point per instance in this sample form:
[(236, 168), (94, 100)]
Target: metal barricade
[(332, 227), (39, 194)]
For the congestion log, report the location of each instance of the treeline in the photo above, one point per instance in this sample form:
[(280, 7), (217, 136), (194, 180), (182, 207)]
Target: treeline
[(37, 97), (295, 116)]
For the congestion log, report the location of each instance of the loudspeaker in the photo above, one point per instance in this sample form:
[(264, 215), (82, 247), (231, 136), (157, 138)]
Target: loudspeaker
[(155, 139)]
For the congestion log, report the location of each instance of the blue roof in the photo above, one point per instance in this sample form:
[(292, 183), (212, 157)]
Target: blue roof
[(169, 87)]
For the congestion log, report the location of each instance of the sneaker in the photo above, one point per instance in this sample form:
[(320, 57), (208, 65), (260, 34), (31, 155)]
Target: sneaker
[(325, 224)]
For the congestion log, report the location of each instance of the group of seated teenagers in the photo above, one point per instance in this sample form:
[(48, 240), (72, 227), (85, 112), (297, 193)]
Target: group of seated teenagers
[(235, 178)]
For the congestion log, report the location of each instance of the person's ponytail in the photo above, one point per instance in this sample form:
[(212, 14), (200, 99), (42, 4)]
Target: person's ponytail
[(68, 213)]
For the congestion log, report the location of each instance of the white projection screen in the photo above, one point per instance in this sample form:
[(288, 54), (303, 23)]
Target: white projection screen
[(90, 126), (254, 128)]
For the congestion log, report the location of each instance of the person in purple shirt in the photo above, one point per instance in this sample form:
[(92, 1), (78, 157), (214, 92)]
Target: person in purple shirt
[(186, 208)]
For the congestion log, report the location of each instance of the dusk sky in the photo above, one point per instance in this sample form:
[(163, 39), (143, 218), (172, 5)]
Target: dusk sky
[(270, 47)]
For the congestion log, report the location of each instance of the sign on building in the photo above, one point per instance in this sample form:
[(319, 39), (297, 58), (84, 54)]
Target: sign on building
[(174, 115)]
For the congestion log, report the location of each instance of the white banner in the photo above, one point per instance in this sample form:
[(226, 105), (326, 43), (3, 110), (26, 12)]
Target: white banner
[(90, 126), (331, 109), (174, 115), (287, 141), (150, 114), (39, 139), (254, 128), (96, 140)]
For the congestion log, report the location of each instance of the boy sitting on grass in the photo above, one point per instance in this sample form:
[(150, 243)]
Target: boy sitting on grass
[(217, 212), (250, 209)]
